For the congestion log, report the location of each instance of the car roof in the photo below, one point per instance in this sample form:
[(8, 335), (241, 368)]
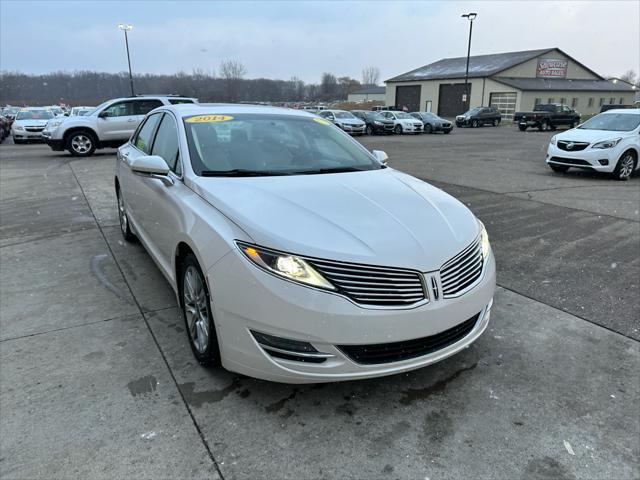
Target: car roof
[(189, 109), (633, 111)]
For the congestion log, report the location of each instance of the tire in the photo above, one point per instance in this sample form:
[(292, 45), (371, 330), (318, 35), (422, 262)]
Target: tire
[(18, 142), (573, 125), (447, 132), (522, 128), (125, 226), (369, 130), (496, 122), (196, 310), (625, 167), (81, 143), (544, 126), (428, 128), (559, 168), (398, 130), (474, 124)]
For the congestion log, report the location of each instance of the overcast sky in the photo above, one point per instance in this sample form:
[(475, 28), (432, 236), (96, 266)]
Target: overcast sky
[(304, 39)]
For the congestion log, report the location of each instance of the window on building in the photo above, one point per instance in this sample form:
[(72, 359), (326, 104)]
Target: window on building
[(563, 101), (551, 100), (574, 102), (621, 101), (590, 102), (537, 101), (601, 102), (612, 101)]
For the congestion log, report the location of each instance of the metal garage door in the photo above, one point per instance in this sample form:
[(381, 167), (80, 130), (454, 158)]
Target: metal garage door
[(505, 103), (450, 101), (408, 97)]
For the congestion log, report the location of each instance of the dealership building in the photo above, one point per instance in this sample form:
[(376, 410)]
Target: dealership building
[(509, 81)]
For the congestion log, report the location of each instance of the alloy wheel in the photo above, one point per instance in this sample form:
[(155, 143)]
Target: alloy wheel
[(122, 215), (626, 166), (196, 310), (81, 143)]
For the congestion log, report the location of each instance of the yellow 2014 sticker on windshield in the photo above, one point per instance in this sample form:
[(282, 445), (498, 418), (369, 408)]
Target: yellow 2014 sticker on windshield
[(322, 121), (209, 118)]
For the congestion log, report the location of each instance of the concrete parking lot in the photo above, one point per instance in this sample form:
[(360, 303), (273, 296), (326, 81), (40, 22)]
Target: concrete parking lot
[(97, 379)]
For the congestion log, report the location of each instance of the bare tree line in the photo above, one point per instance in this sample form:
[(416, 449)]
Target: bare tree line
[(91, 88)]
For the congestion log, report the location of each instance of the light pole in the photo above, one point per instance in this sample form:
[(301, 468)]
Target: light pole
[(471, 17), (125, 29)]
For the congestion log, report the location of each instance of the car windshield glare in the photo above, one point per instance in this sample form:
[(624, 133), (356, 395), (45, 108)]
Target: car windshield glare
[(616, 122), (34, 115), (472, 111), (404, 116), (344, 115), (247, 144)]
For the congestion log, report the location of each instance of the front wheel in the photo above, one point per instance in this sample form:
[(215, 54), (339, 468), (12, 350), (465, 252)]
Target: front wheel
[(496, 122), (544, 126), (81, 144), (559, 168), (398, 129), (428, 128), (522, 128), (625, 167), (196, 309), (369, 130), (474, 124), (125, 227)]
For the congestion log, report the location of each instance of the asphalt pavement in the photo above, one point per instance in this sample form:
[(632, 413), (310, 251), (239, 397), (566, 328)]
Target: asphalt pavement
[(97, 379)]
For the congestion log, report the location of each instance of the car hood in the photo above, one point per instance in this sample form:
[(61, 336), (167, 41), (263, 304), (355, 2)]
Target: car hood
[(350, 121), (380, 217), (591, 136), (410, 121), (30, 123)]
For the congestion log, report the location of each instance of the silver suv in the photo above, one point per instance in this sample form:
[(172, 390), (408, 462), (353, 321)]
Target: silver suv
[(108, 125)]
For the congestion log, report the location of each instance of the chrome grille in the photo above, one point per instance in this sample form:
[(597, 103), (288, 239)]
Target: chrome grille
[(572, 146), (462, 271), (373, 286)]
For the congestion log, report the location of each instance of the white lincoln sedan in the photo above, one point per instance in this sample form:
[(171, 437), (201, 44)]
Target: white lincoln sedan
[(297, 255)]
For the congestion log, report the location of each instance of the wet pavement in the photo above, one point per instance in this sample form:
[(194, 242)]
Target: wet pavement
[(97, 379)]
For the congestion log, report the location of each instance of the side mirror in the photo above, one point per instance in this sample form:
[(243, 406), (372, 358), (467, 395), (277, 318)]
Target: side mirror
[(381, 156), (152, 166), (103, 114)]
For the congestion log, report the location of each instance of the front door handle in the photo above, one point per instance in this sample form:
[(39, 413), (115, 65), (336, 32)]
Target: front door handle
[(131, 120)]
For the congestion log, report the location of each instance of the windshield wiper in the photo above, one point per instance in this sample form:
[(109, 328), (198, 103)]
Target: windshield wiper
[(330, 170), (241, 172)]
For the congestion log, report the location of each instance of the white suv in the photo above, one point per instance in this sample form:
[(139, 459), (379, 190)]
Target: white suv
[(108, 125), (608, 142)]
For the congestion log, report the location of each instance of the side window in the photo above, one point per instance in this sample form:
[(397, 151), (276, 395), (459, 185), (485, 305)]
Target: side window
[(142, 107), (144, 137), (166, 143), (120, 109)]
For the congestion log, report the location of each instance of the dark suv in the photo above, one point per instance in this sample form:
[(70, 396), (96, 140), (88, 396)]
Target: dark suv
[(432, 122), (478, 116), (376, 123)]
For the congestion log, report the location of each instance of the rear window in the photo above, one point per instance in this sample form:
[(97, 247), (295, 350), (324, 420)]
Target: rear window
[(179, 101)]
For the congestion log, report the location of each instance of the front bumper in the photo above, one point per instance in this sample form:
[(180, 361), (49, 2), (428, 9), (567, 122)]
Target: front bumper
[(354, 130), (55, 144), (600, 160), (245, 299), (406, 128), (26, 135)]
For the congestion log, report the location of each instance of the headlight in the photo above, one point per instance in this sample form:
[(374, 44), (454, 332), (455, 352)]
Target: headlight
[(607, 143), (54, 123), (484, 242), (18, 127), (377, 123), (553, 140), (287, 266)]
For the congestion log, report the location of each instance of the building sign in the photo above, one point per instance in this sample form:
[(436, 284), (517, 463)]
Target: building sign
[(552, 68)]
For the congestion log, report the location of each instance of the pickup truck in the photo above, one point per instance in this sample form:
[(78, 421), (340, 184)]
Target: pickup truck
[(547, 117)]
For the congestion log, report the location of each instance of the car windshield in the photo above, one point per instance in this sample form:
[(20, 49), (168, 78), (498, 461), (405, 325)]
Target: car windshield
[(344, 115), (473, 111), (403, 115), (250, 144), (615, 122), (34, 115), (377, 116)]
